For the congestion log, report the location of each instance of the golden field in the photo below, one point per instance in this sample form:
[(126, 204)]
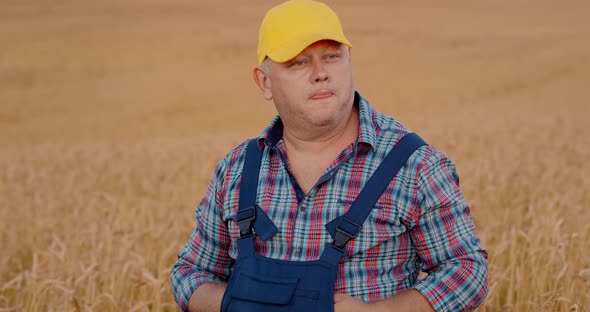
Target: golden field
[(113, 115)]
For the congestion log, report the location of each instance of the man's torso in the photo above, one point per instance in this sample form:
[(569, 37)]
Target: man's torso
[(382, 259)]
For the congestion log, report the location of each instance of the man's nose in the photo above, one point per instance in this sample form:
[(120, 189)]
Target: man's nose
[(320, 73)]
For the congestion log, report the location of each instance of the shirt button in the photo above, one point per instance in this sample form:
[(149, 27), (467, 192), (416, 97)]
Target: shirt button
[(303, 208)]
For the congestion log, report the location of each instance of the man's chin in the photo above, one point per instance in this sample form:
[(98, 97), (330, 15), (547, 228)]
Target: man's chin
[(323, 121)]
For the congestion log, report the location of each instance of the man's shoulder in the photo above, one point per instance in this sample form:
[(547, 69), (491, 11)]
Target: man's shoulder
[(389, 131), (229, 168), (379, 130), (235, 157)]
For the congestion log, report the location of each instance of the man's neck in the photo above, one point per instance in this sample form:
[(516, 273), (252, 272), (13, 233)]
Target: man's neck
[(313, 141)]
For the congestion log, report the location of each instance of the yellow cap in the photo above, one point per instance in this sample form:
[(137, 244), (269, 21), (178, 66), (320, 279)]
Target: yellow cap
[(290, 27)]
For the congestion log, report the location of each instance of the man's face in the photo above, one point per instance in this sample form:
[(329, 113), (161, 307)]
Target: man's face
[(313, 89)]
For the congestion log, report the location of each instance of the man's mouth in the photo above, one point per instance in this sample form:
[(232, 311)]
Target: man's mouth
[(322, 95)]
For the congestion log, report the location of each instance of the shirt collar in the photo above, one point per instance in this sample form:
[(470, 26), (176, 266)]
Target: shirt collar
[(274, 131)]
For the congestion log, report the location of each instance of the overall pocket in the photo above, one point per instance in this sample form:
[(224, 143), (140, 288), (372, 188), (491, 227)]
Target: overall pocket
[(250, 292)]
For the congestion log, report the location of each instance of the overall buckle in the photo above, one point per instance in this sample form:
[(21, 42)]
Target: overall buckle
[(245, 219), (345, 231)]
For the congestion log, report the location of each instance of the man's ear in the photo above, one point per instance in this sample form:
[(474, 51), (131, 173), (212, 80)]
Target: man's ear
[(262, 80)]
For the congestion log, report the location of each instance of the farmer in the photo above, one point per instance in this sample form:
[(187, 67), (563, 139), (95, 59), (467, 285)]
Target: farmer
[(335, 206)]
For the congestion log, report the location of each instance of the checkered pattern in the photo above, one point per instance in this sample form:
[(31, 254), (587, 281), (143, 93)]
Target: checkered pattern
[(421, 222)]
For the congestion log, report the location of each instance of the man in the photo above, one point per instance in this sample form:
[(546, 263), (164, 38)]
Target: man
[(335, 206)]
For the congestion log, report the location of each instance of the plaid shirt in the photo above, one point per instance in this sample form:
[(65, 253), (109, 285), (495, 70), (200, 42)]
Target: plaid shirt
[(420, 223)]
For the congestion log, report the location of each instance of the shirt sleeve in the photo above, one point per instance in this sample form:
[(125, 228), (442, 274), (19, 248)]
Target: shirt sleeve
[(205, 257), (444, 235)]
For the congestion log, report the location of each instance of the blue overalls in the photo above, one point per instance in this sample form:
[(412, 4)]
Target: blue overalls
[(261, 284)]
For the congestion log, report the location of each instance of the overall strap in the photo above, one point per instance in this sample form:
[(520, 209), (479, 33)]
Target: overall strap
[(348, 226), (249, 215), (249, 184)]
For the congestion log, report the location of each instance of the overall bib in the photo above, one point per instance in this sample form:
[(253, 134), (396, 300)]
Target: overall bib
[(261, 284)]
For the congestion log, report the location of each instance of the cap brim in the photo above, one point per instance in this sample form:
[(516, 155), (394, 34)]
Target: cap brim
[(288, 51)]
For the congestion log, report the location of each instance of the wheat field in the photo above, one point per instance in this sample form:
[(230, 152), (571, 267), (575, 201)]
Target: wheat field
[(114, 113)]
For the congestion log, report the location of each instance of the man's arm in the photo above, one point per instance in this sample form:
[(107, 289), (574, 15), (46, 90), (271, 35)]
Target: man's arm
[(409, 300), (207, 298), (205, 258), (444, 236)]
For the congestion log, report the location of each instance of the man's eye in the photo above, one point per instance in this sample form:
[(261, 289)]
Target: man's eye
[(298, 63)]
